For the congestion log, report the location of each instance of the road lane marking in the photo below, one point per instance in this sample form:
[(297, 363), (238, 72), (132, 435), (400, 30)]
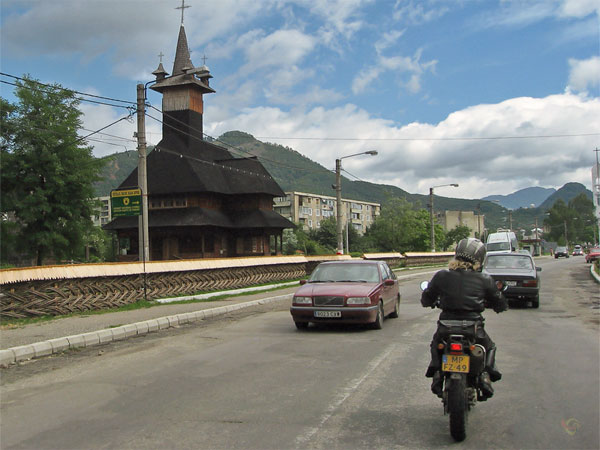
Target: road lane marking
[(343, 395)]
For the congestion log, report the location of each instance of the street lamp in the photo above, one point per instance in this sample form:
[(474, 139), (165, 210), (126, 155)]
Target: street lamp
[(338, 194), (431, 212)]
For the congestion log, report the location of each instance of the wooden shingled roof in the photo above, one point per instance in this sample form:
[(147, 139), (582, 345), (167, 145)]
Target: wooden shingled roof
[(204, 168)]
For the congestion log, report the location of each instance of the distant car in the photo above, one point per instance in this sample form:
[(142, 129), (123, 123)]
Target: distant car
[(350, 292), (592, 255), (577, 250), (561, 252), (518, 273)]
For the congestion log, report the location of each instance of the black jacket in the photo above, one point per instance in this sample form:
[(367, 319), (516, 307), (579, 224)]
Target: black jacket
[(463, 294)]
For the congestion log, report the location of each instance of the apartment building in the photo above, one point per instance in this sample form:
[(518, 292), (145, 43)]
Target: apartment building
[(451, 219), (309, 210), (102, 215)]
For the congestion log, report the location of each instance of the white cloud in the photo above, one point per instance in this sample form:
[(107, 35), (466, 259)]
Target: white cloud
[(281, 48), (417, 156), (419, 12), (584, 75), (579, 8), (520, 13), (409, 70), (118, 137)]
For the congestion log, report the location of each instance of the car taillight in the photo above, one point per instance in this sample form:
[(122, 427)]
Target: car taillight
[(529, 283), (454, 347)]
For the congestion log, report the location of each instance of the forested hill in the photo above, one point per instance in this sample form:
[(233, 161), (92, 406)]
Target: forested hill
[(294, 172)]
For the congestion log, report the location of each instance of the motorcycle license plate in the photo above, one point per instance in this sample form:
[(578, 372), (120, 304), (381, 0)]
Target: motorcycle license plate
[(455, 363)]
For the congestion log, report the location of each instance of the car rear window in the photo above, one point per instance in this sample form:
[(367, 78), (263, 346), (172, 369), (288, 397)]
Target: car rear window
[(509, 262), (345, 272), (497, 246)]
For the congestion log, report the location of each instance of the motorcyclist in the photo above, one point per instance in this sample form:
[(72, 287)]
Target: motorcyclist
[(463, 292)]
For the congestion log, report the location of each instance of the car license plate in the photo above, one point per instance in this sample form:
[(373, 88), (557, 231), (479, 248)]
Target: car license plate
[(510, 283), (328, 314), (455, 363)]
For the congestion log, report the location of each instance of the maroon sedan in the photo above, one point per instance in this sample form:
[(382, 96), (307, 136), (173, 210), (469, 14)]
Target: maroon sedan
[(360, 292), (592, 255)]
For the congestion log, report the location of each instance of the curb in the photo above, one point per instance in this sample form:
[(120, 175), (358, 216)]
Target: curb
[(594, 274), (45, 348)]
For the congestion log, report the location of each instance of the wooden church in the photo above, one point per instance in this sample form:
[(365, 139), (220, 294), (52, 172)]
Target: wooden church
[(202, 202)]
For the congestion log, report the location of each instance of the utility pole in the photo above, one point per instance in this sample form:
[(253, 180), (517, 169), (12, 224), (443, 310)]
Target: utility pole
[(338, 197), (537, 241), (144, 247), (431, 212), (431, 220), (479, 221)]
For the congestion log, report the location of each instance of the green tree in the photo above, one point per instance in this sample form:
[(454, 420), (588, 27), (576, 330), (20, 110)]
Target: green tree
[(455, 235), (582, 227), (399, 228), (326, 235), (47, 171)]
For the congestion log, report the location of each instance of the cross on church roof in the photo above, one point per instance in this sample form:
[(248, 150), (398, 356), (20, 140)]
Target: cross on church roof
[(160, 55), (182, 8), (204, 58)]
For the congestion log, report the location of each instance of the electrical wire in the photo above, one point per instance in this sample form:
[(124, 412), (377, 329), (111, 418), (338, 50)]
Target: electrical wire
[(66, 89), (191, 158), (229, 146), (491, 138), (113, 136)]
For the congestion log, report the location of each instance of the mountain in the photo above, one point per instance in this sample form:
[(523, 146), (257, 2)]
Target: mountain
[(295, 172), (116, 168), (523, 198), (566, 193)]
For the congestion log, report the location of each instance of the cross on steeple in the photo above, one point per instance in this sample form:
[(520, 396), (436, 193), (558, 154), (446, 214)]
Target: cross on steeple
[(160, 55), (204, 58), (182, 8)]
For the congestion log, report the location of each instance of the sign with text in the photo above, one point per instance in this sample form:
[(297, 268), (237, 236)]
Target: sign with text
[(126, 202)]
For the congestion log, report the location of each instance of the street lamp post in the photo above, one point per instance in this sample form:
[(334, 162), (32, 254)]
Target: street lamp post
[(338, 195), (431, 212)]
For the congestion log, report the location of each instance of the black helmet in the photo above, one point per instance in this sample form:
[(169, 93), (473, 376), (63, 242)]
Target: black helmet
[(471, 250)]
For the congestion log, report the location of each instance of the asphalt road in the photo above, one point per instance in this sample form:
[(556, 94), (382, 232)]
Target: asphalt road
[(252, 381)]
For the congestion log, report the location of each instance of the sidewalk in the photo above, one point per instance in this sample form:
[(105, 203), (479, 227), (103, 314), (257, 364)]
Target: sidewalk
[(54, 336)]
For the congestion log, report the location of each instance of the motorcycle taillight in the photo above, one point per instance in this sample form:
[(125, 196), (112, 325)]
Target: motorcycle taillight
[(456, 347)]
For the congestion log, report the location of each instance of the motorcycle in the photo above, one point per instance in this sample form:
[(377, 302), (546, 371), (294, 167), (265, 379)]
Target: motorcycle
[(462, 364)]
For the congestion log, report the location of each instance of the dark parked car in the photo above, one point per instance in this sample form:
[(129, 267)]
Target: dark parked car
[(360, 292), (561, 252), (592, 255), (518, 273)]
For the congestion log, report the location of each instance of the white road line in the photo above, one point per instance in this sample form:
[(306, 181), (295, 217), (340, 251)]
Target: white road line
[(343, 395)]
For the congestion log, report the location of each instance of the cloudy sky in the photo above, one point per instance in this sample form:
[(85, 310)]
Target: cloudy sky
[(496, 95)]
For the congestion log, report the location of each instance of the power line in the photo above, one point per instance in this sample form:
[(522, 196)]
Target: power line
[(66, 89), (430, 139), (211, 163), (112, 135), (229, 146)]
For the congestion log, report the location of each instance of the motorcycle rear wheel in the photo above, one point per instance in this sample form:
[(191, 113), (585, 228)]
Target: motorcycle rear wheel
[(458, 408)]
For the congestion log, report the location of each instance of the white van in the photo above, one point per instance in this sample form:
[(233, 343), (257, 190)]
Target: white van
[(501, 242)]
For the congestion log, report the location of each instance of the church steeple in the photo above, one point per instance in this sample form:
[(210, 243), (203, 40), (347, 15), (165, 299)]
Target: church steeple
[(183, 103), (182, 54)]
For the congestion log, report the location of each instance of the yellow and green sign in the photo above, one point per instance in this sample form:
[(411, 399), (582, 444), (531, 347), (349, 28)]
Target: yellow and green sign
[(126, 202)]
